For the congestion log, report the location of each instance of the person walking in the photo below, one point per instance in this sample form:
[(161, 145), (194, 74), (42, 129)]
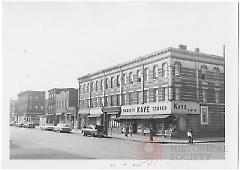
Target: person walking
[(190, 137), (131, 129), (151, 132), (126, 130)]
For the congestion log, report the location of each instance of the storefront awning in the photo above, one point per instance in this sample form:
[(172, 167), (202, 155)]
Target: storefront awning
[(94, 115), (58, 114), (140, 117), (83, 111), (160, 116)]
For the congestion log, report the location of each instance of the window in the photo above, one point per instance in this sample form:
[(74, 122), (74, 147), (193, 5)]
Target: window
[(217, 96), (88, 88), (155, 72), (118, 81), (204, 115), (106, 101), (88, 103), (204, 93), (130, 98), (111, 100), (146, 74), (146, 96), (177, 93), (84, 88), (111, 84), (138, 76), (130, 78), (118, 99), (177, 67), (101, 84), (155, 95), (96, 102), (30, 97), (123, 99), (96, 85), (106, 83), (101, 101), (138, 97), (165, 93), (91, 103), (204, 72), (36, 98), (216, 73), (36, 108), (124, 79), (91, 87), (164, 69)]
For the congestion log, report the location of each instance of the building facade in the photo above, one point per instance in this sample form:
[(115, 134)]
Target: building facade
[(13, 109), (62, 105), (172, 89), (30, 106)]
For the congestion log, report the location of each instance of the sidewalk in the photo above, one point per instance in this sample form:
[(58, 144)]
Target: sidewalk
[(159, 139)]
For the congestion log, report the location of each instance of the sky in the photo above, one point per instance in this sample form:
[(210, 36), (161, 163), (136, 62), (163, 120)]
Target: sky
[(51, 44)]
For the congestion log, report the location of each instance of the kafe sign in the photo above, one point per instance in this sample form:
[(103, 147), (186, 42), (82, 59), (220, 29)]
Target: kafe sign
[(149, 108), (185, 107)]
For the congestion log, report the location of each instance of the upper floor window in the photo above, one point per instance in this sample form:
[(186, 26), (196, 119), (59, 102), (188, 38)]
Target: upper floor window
[(87, 87), (118, 80), (118, 99), (111, 83), (146, 74), (204, 72), (124, 98), (164, 69), (217, 96), (155, 95), (216, 73), (96, 85), (138, 76), (111, 100), (146, 96), (84, 88), (30, 97), (91, 87), (36, 107), (41, 107), (106, 83), (177, 93), (155, 72), (124, 79), (130, 78), (204, 94), (177, 68), (165, 94), (36, 98), (101, 84), (130, 98)]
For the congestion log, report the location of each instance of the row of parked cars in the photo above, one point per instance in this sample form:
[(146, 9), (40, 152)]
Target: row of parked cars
[(25, 125), (59, 128)]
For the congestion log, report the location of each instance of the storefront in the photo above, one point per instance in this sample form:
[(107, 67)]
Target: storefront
[(162, 116), (111, 114), (83, 117), (95, 117)]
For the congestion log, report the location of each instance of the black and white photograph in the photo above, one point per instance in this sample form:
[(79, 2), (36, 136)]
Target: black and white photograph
[(119, 84)]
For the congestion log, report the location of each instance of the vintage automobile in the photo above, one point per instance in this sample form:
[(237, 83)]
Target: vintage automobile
[(29, 125), (93, 130), (62, 128), (12, 123), (47, 127), (145, 131), (19, 124)]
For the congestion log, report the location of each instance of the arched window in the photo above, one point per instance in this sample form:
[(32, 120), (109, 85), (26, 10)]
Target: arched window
[(87, 87), (164, 69), (130, 78), (96, 85), (138, 76), (146, 74), (155, 72), (112, 82), (84, 88), (106, 83), (124, 79), (177, 68), (204, 72), (118, 81), (101, 84), (216, 73)]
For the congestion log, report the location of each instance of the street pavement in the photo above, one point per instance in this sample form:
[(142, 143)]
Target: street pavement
[(38, 144)]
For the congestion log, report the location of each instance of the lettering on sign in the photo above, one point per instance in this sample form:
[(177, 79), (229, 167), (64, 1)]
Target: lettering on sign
[(185, 107)]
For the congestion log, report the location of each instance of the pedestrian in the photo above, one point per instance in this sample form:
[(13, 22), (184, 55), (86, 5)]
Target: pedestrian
[(151, 132), (190, 138), (131, 129), (126, 130)]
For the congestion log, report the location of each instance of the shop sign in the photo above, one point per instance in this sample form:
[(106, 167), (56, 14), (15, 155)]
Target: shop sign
[(150, 108), (185, 107)]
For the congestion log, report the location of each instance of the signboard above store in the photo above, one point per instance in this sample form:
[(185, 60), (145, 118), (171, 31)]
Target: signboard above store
[(178, 107)]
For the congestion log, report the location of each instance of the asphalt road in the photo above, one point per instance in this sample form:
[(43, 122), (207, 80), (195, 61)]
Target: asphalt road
[(38, 144)]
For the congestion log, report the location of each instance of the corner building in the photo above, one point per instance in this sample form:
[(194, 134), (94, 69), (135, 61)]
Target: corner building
[(173, 89)]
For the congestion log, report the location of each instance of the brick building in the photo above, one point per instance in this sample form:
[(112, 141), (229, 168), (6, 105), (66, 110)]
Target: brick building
[(30, 106), (62, 104), (172, 89)]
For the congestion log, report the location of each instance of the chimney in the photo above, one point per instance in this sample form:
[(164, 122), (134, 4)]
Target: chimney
[(183, 47), (197, 50)]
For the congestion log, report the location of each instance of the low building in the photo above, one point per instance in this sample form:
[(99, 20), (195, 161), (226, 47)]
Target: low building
[(172, 89), (30, 106)]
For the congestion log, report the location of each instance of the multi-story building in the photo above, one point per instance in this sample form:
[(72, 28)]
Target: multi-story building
[(174, 88), (30, 106), (13, 109), (62, 103)]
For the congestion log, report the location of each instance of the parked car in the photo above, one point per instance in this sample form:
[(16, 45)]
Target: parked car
[(12, 123), (145, 131), (19, 124), (29, 125), (47, 127), (62, 128), (93, 130)]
